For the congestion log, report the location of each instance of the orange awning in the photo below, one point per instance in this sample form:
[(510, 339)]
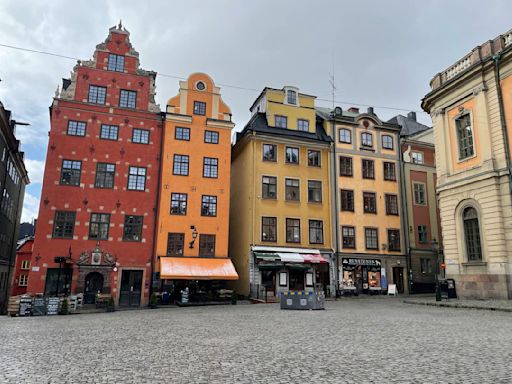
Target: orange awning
[(197, 268)]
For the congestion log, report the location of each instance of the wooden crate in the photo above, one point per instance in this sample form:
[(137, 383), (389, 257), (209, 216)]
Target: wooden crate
[(13, 307)]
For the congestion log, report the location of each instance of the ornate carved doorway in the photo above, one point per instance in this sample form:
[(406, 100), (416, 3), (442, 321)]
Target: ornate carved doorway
[(93, 285)]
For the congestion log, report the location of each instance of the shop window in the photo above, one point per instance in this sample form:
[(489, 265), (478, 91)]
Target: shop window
[(348, 236), (345, 135), (369, 202), (391, 204), (269, 187), (419, 194), (269, 229), (389, 171), (465, 136), (368, 169), (314, 191), (417, 158), (180, 165), (199, 108), (140, 136), (346, 166), (292, 230), (105, 175), (366, 140), (127, 99), (394, 240), (207, 245), (76, 128), (115, 63), (422, 234), (175, 243), (269, 152), (181, 133), (99, 226), (136, 179), (303, 125), (97, 95), (374, 280), (313, 158), (387, 142), (132, 229), (292, 155), (58, 281), (371, 238), (109, 132), (316, 232), (208, 205), (281, 121), (211, 137), (70, 172), (347, 200), (178, 203), (291, 189), (25, 264), (64, 224), (472, 235)]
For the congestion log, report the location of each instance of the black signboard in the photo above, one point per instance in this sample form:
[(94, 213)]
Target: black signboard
[(354, 262), (25, 306), (52, 307), (39, 308)]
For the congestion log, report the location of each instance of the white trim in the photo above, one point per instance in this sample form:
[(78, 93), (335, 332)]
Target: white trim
[(257, 248)]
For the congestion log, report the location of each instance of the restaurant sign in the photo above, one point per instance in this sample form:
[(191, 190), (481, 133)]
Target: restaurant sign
[(356, 262)]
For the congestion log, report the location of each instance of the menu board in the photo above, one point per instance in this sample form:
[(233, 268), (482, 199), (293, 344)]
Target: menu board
[(52, 308), (39, 307), (25, 306)]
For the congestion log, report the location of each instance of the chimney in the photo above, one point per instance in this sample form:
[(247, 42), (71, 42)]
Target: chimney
[(411, 116), (353, 109), (370, 111)]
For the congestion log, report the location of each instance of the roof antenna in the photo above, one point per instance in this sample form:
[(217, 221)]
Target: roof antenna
[(120, 26), (331, 81)]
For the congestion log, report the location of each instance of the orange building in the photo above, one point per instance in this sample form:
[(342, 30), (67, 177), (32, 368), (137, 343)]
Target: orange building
[(193, 213)]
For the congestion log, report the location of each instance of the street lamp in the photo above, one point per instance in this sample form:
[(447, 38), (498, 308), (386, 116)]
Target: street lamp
[(194, 236), (435, 249)]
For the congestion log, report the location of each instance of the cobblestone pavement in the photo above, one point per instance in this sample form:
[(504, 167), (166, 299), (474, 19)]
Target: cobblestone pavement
[(494, 305), (353, 341)]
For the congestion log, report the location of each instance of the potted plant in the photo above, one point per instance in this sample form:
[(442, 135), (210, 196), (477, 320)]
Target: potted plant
[(152, 301), (111, 306), (64, 307)]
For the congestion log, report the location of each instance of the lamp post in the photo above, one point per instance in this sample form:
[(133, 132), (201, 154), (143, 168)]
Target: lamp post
[(435, 249)]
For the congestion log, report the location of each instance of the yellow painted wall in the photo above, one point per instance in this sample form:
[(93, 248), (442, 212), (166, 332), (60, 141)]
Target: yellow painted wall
[(304, 110)]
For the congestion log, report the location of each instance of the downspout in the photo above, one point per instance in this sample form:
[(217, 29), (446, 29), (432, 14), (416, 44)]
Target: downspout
[(405, 216), (335, 208)]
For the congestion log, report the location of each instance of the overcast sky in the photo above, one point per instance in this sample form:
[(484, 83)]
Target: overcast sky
[(382, 53)]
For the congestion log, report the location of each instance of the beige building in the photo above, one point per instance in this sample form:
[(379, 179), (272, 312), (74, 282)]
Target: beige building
[(471, 109)]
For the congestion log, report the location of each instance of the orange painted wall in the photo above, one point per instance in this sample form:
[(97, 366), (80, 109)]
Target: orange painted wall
[(506, 90)]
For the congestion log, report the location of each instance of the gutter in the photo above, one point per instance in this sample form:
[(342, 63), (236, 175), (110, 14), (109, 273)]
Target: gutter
[(336, 204), (405, 215)]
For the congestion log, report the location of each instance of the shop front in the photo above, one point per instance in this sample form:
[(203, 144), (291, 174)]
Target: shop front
[(362, 276)]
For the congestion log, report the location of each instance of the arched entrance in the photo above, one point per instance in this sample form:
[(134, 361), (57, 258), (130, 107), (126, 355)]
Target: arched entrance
[(93, 285)]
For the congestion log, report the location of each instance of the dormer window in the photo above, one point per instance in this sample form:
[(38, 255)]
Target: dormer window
[(281, 121), (115, 63), (291, 97)]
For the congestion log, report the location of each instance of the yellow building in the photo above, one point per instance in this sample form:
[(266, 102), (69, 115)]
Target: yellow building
[(368, 240), (280, 228)]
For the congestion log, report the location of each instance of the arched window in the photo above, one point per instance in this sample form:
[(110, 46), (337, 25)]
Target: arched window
[(465, 136), (366, 139), (472, 234)]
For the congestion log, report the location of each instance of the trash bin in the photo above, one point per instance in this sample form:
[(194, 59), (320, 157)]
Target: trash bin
[(302, 300)]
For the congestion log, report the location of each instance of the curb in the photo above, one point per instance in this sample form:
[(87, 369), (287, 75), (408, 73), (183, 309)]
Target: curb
[(460, 306)]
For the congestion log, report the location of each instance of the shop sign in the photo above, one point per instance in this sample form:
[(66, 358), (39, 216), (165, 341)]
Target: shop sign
[(25, 306), (39, 308), (53, 306), (355, 262)]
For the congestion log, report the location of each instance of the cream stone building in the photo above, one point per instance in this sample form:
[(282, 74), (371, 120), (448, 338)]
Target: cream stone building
[(471, 109)]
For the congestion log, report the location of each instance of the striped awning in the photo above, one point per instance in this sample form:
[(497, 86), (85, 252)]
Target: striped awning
[(291, 257)]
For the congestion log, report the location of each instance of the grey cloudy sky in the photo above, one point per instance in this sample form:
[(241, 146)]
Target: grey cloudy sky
[(384, 53)]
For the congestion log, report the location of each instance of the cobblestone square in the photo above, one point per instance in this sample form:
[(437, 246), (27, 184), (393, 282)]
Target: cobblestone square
[(353, 341)]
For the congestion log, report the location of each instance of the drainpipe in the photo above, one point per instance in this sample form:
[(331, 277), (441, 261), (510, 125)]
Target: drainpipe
[(405, 215), (335, 209)]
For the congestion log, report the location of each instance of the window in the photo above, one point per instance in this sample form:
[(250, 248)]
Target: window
[(348, 236), (70, 173), (182, 133), (115, 63), (128, 99), (132, 229), (303, 125), (369, 202), (391, 204), (136, 179), (472, 235), (419, 194), (314, 191), (175, 242), (199, 108), (292, 155), (269, 187), (422, 234), (387, 142), (417, 157), (105, 175), (465, 137), (140, 136), (207, 245), (426, 266), (25, 264), (291, 97), (313, 158), (291, 190), (347, 200), (97, 95), (292, 230), (209, 205), (345, 135), (346, 166), (180, 165), (211, 137), (64, 224), (268, 229), (368, 169), (210, 167), (371, 238), (366, 139), (23, 281), (394, 240), (281, 121), (389, 171), (178, 203), (269, 152), (109, 132), (316, 232), (76, 128), (99, 225)]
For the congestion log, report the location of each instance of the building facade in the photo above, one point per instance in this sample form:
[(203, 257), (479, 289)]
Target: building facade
[(280, 227), (471, 108), (22, 266), (367, 208), (98, 202), (193, 226), (13, 179)]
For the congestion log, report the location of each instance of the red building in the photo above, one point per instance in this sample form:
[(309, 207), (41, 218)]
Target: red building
[(22, 266), (98, 203)]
